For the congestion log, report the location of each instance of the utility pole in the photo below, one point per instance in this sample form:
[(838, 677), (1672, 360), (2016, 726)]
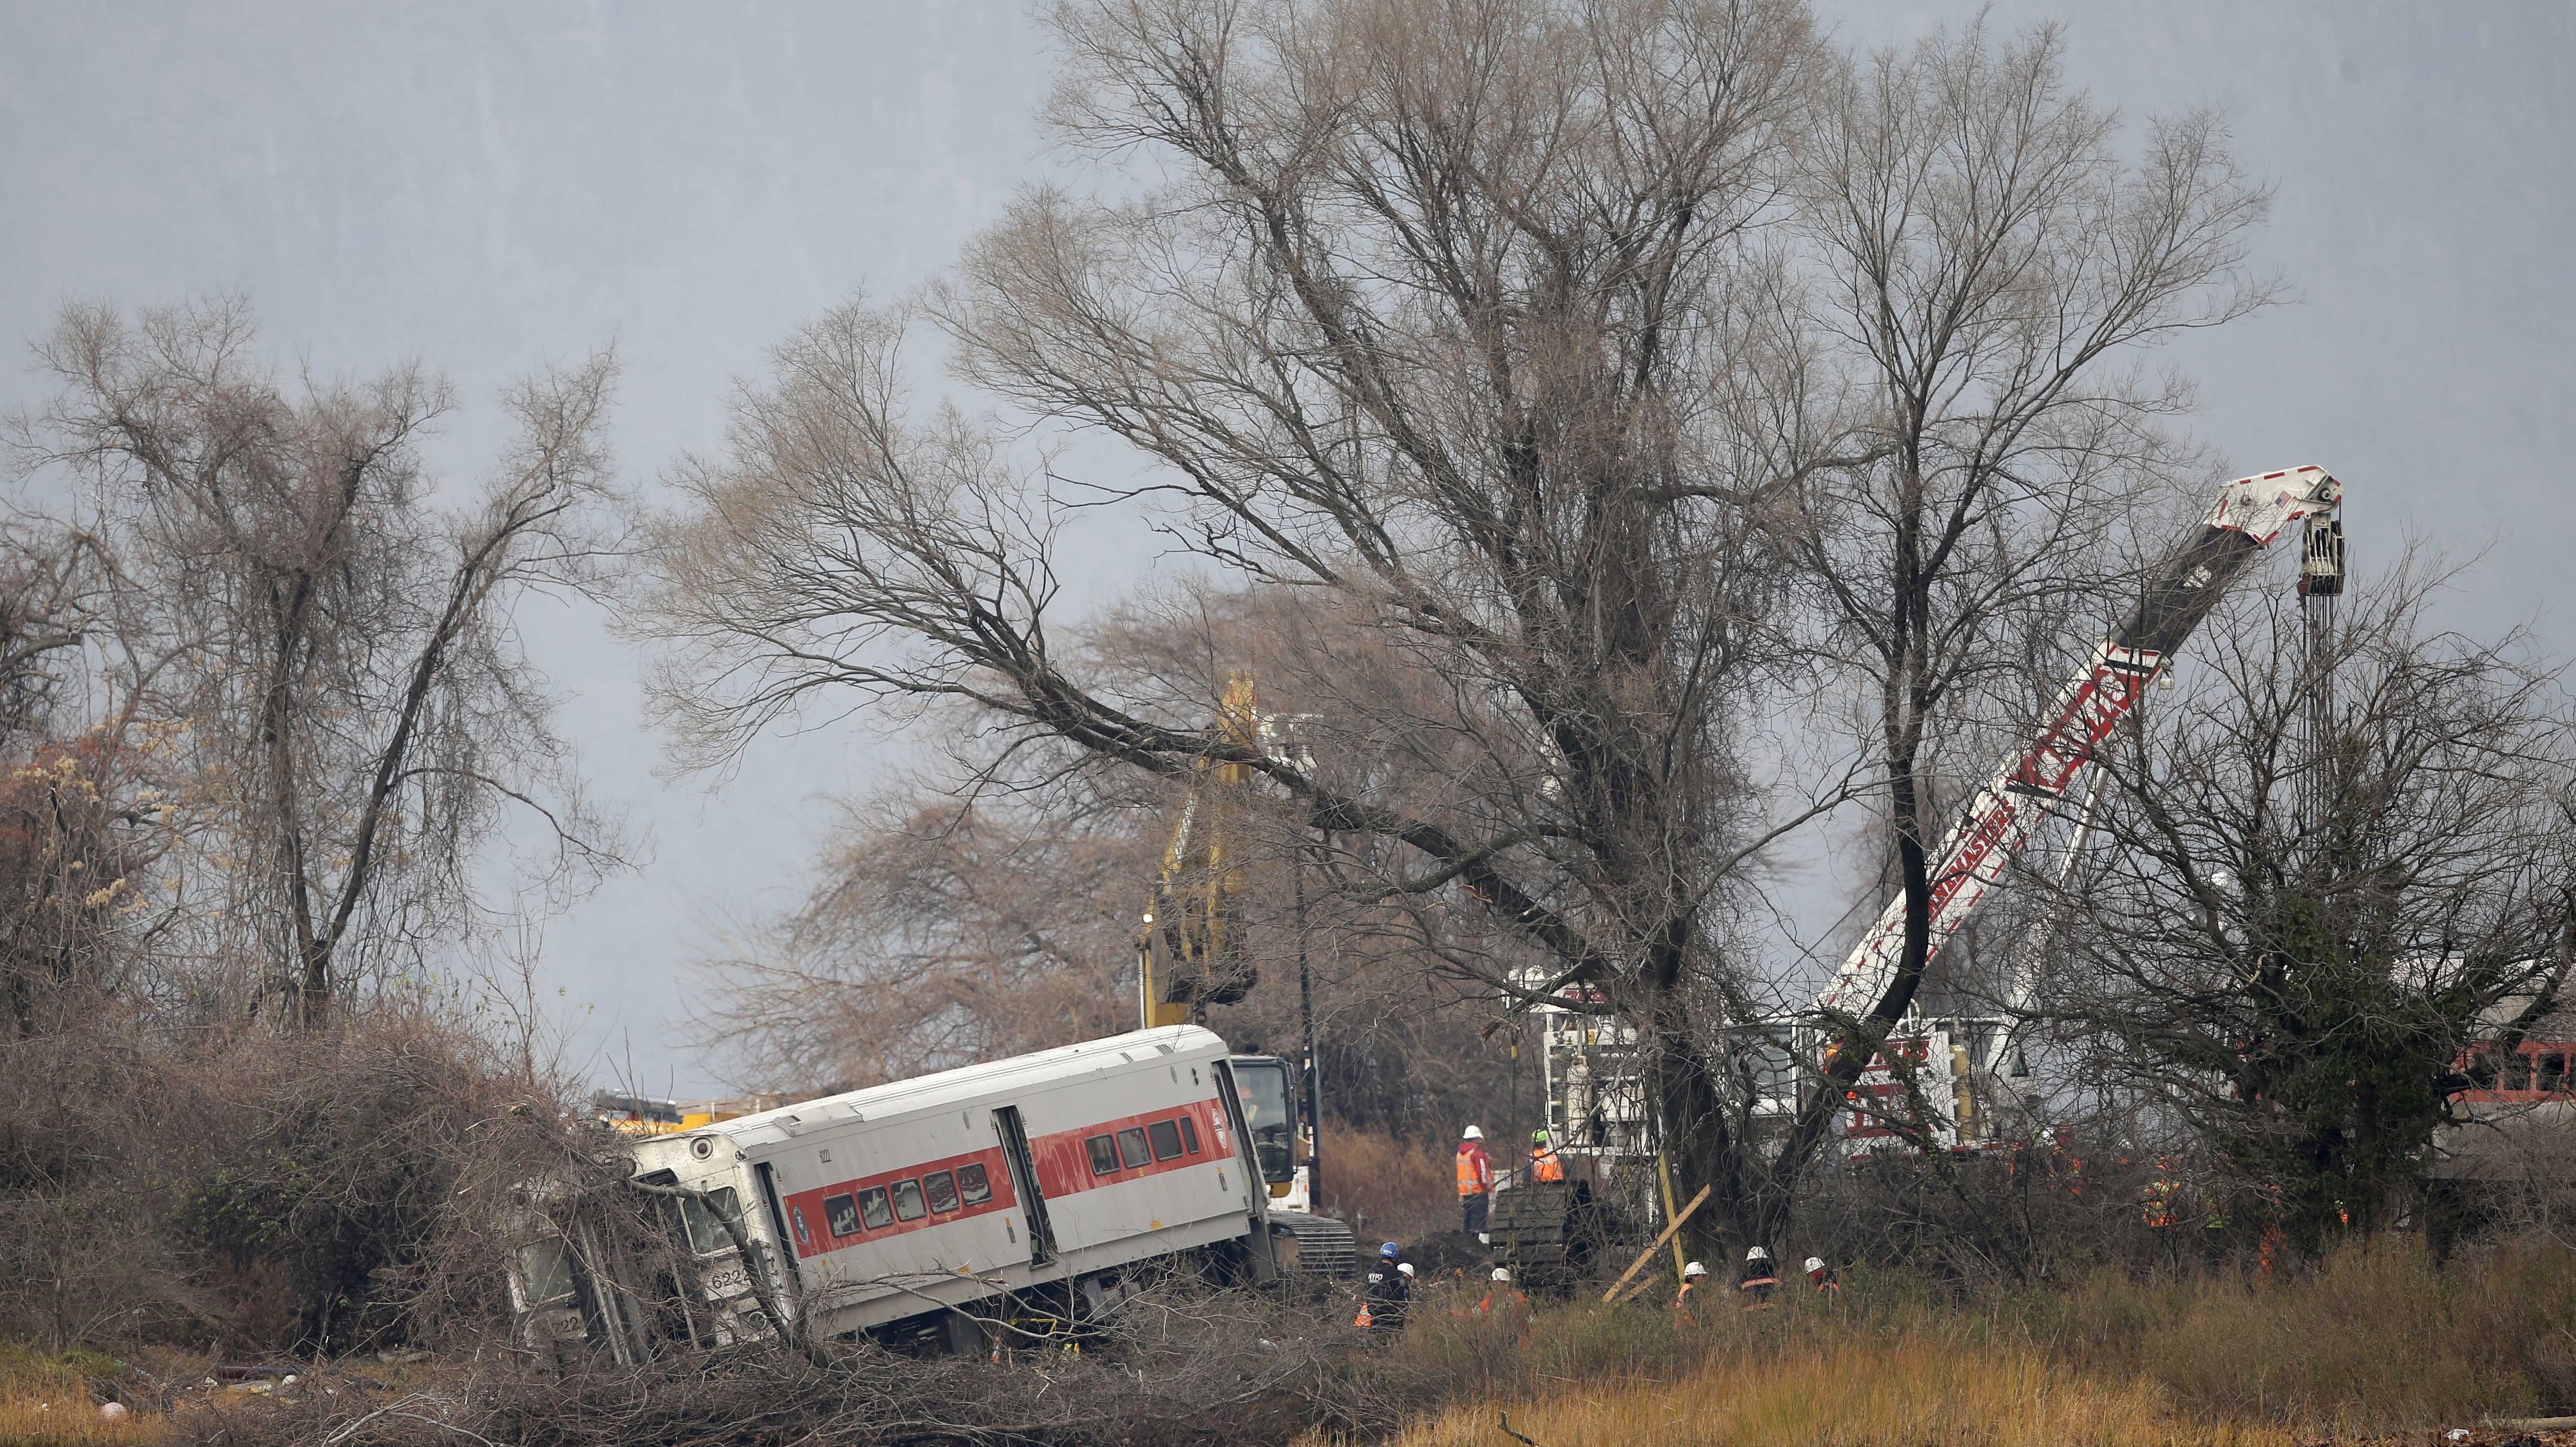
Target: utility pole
[(1314, 1057)]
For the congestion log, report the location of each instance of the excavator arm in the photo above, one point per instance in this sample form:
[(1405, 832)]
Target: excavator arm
[(1191, 954), (2180, 592)]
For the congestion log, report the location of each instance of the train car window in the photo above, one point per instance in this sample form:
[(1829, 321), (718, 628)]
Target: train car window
[(706, 1236), (546, 1268), (1190, 1134), (907, 1200), (1166, 1135), (1132, 1148), (841, 1215), (873, 1208), (941, 1189), (1104, 1154), (973, 1186)]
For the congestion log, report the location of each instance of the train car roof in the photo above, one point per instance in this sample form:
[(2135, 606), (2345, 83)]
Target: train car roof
[(962, 1086)]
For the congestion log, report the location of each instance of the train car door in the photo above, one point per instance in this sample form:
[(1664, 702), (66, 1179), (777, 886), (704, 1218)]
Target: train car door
[(1024, 1179), (790, 1285)]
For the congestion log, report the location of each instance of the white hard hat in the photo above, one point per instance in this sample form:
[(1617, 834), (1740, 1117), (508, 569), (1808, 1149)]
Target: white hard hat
[(1501, 1275), (1405, 1266), (1757, 1253), (1473, 1133), (1815, 1263), (1694, 1269)]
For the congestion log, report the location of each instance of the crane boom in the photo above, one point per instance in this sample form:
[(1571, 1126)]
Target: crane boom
[(2179, 593)]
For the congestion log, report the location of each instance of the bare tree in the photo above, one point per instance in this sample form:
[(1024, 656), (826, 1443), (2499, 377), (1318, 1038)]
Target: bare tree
[(1514, 340), (2308, 986), (937, 930), (79, 838), (339, 647), (1435, 314), (1988, 271), (50, 581), (82, 771), (936, 934)]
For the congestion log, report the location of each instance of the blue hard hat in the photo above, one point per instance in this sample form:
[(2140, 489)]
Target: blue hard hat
[(1390, 1249)]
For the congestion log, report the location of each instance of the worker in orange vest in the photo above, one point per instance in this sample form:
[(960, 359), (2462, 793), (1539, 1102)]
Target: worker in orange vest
[(1475, 1182), (1504, 1301), (1691, 1277), (1545, 1164)]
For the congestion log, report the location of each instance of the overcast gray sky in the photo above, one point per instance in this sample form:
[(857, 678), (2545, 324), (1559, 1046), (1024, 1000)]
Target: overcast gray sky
[(486, 185)]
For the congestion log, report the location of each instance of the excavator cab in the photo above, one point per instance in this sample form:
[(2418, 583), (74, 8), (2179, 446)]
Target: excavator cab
[(1269, 1116)]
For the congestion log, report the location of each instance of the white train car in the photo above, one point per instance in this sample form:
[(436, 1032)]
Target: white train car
[(1053, 1170)]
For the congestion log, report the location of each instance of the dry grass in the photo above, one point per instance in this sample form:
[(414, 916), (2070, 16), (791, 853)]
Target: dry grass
[(1403, 1188), (2374, 1342), (47, 1402), (1907, 1389), (2374, 1339)]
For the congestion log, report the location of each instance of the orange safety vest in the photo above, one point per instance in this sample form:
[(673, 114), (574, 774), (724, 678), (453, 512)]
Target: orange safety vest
[(1475, 1170), (1546, 1167)]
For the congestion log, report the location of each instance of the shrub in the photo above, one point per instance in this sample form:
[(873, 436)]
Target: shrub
[(267, 1194)]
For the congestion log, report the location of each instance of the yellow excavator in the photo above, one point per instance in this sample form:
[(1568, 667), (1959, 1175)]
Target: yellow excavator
[(1191, 954)]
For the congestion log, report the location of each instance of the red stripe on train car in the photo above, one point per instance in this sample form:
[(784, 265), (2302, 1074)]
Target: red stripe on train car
[(812, 1224), (1063, 1158)]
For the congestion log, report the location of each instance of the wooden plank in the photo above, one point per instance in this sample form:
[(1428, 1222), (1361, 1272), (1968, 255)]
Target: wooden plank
[(1638, 1290), (1664, 1178), (1648, 1254)]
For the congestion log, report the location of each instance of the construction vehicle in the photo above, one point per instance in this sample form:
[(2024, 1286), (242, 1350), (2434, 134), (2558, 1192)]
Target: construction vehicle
[(1922, 1084), (1593, 1100), (927, 1207), (1191, 952), (652, 1115), (1929, 1081)]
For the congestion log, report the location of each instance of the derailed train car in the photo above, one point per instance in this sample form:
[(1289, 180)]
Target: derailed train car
[(888, 1210)]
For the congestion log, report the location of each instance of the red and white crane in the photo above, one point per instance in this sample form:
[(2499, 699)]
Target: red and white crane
[(2030, 787)]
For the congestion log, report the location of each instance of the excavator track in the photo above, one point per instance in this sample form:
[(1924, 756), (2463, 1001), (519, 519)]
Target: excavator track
[(1325, 1247), (1543, 1227)]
